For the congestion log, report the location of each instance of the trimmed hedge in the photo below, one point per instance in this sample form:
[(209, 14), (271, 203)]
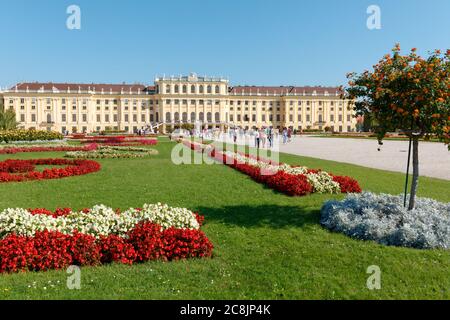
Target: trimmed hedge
[(28, 135)]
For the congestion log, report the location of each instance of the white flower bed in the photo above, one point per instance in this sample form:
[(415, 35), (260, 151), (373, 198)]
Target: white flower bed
[(34, 144), (108, 152), (383, 218), (100, 221), (322, 182), (37, 143)]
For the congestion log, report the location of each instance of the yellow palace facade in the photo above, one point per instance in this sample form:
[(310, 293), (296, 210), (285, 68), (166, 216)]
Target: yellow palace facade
[(173, 101)]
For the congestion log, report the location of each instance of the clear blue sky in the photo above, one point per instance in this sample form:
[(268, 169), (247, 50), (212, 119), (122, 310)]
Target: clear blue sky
[(258, 42)]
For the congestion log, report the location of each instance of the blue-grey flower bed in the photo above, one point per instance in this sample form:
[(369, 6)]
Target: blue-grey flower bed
[(383, 218)]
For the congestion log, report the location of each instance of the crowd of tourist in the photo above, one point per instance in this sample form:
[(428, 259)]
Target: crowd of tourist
[(264, 137)]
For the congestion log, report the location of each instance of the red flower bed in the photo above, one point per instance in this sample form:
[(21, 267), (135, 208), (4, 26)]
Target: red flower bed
[(54, 250), (25, 169), (15, 150), (348, 185), (120, 141), (290, 184)]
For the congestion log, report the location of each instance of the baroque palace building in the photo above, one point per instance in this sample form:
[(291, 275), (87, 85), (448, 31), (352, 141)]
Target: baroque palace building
[(173, 101)]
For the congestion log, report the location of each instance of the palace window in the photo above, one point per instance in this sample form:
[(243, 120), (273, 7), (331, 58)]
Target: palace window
[(209, 89), (193, 89)]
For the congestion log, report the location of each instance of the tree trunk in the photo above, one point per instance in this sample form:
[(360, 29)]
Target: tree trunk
[(415, 180)]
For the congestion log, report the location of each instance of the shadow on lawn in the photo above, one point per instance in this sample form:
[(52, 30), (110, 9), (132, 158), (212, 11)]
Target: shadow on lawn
[(265, 215)]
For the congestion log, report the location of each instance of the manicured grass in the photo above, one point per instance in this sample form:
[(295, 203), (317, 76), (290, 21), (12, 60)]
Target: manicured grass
[(267, 245)]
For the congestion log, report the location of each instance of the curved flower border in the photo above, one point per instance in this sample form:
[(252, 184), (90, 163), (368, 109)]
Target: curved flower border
[(39, 239), (37, 148), (108, 152), (120, 141), (23, 170)]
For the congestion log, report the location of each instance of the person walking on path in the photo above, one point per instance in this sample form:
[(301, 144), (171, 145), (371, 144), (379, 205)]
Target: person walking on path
[(285, 134), (270, 137), (263, 137), (257, 138)]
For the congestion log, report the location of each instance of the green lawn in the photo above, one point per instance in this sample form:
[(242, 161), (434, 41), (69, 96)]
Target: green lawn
[(267, 245)]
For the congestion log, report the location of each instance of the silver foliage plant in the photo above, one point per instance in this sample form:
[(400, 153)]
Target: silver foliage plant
[(383, 218)]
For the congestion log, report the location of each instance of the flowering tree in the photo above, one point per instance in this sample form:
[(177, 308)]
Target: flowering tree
[(408, 93)]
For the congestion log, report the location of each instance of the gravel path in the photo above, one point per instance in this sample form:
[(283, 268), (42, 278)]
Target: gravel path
[(434, 157)]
